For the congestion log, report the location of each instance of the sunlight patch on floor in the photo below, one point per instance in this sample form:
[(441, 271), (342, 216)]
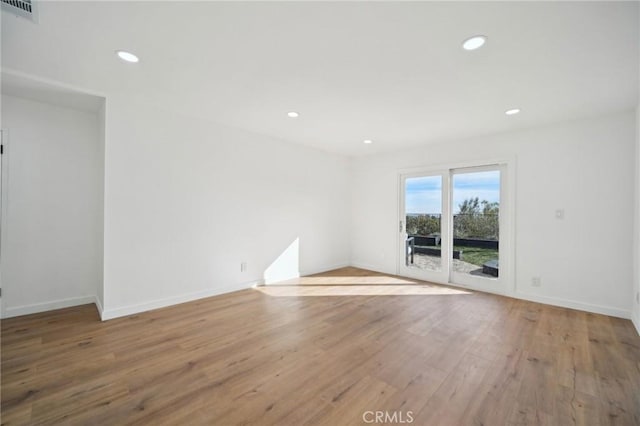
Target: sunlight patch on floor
[(358, 290), (349, 280)]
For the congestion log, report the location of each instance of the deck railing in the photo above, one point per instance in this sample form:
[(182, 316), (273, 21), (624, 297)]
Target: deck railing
[(465, 225)]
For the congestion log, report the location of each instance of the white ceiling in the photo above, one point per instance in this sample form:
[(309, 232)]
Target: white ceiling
[(393, 72)]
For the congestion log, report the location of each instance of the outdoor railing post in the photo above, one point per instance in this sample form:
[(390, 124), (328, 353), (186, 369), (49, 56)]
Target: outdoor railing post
[(413, 248), (409, 242), (406, 252)]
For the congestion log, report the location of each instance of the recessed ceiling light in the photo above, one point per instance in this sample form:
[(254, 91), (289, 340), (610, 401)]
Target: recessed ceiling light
[(513, 111), (127, 56), (474, 42), (293, 114), (367, 141)]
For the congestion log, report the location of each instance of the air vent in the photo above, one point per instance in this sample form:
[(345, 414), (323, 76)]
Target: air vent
[(24, 8)]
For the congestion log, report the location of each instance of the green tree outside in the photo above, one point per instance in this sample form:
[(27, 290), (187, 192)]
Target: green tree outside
[(477, 219)]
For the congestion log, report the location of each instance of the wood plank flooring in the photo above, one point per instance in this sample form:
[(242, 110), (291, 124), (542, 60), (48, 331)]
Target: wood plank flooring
[(321, 354)]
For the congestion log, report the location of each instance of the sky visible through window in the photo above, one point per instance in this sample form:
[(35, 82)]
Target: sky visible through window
[(424, 194)]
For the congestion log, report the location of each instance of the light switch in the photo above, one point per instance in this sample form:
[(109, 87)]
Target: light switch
[(560, 214)]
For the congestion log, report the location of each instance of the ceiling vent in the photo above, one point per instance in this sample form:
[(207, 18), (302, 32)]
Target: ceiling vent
[(24, 8)]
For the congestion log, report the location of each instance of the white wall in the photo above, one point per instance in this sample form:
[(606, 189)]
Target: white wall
[(51, 248), (584, 167), (636, 253), (186, 201)]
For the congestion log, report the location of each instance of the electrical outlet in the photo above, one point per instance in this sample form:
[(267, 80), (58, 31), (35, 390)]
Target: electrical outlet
[(536, 281), (243, 266)]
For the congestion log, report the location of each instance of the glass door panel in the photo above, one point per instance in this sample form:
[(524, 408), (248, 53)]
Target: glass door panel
[(423, 207), (475, 214), (423, 231)]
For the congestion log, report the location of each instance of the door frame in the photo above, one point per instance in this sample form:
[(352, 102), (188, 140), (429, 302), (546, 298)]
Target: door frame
[(4, 198), (441, 276), (496, 285), (507, 284)]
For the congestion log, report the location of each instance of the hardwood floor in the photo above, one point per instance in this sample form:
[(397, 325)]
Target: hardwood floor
[(325, 355)]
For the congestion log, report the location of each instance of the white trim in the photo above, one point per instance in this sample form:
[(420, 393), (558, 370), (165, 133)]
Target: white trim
[(47, 306), (279, 279), (581, 306), (314, 271), (510, 218), (174, 300), (373, 268), (553, 301), (98, 306), (430, 168), (636, 323), (4, 207)]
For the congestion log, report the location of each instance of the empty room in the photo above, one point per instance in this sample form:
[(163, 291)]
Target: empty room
[(320, 213)]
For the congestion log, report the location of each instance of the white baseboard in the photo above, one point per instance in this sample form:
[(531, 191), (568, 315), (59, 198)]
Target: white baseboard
[(174, 300), (581, 306), (280, 279), (326, 268), (636, 323), (99, 306), (47, 306), (307, 272), (370, 267)]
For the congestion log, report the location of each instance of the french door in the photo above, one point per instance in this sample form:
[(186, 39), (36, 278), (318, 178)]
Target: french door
[(453, 226)]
